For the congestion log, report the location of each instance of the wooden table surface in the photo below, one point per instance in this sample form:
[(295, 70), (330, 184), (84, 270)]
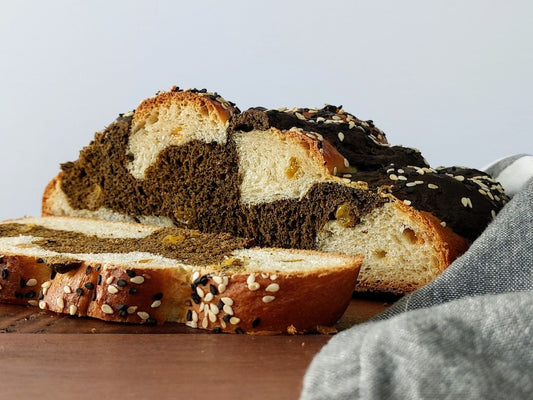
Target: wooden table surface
[(49, 356)]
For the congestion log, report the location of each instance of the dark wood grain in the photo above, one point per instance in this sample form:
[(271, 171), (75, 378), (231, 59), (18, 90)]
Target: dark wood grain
[(49, 356)]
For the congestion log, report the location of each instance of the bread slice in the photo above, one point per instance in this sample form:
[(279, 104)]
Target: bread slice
[(318, 179), (146, 274)]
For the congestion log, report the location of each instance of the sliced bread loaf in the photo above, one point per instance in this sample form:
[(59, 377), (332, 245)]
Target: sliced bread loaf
[(299, 178), (147, 274)]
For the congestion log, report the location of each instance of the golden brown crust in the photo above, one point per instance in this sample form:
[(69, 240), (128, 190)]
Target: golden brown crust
[(48, 199)]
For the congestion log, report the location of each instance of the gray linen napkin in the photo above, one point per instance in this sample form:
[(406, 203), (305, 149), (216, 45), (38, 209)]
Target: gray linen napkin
[(466, 335)]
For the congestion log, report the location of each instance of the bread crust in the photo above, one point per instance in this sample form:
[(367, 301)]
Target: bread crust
[(221, 299)]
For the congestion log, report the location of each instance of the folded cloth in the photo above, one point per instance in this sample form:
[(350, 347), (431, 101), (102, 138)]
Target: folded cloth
[(468, 334)]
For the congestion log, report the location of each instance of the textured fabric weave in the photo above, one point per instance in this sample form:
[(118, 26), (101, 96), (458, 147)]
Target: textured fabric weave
[(468, 334)]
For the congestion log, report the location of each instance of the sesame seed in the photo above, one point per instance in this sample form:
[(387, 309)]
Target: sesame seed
[(109, 280), (60, 302), (256, 322), (402, 178), (99, 280), (208, 297), (227, 309), (299, 116), (31, 282), (122, 282), (195, 275), (88, 270), (460, 178), (466, 202), (192, 324), (46, 284), (341, 136), (106, 309), (30, 294), (481, 191), (131, 309), (72, 309), (407, 202), (132, 290), (200, 292), (351, 125), (202, 306), (250, 279), (225, 280), (33, 302), (143, 315), (79, 291), (401, 171), (67, 289), (89, 285), (227, 300), (410, 184), (419, 182), (432, 186), (335, 171), (112, 289), (393, 177), (22, 283), (217, 279), (205, 322), (346, 163), (137, 279), (155, 304), (493, 213), (273, 287), (157, 296), (273, 277), (234, 320), (42, 305), (254, 286), (443, 223), (212, 317), (221, 288), (268, 299)]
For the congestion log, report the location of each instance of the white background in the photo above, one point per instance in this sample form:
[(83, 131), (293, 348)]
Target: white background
[(452, 78)]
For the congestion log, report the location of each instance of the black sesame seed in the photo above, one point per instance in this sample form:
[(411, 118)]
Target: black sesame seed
[(88, 270), (196, 298), (89, 285), (256, 322), (213, 289), (5, 273), (122, 307), (122, 283), (220, 305), (53, 274), (239, 331), (132, 290), (226, 318), (99, 280), (41, 295), (189, 315), (79, 291), (18, 295), (22, 283), (123, 313), (157, 296), (151, 321), (201, 280), (217, 329), (1, 259), (131, 273), (93, 298), (98, 268), (30, 295)]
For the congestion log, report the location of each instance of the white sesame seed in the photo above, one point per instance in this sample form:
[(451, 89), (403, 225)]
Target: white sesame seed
[(264, 275), (60, 302), (194, 316), (254, 286), (200, 291), (466, 202), (45, 290), (273, 287), (202, 306), (443, 223), (401, 171), (208, 297), (351, 125), (221, 288), (67, 289), (410, 184), (214, 309), (299, 116), (225, 280), (273, 277), (234, 320), (33, 303), (250, 279), (227, 309), (72, 309), (143, 315), (106, 309), (131, 309), (341, 136), (408, 202), (31, 282), (222, 323), (402, 178), (42, 305), (335, 171), (493, 213), (192, 324), (227, 300), (139, 279), (195, 275), (319, 136), (155, 304), (393, 177), (112, 289), (481, 191), (419, 182), (432, 186), (205, 322), (109, 280), (217, 279), (390, 170), (268, 299), (46, 284), (420, 171), (346, 163), (212, 317)]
